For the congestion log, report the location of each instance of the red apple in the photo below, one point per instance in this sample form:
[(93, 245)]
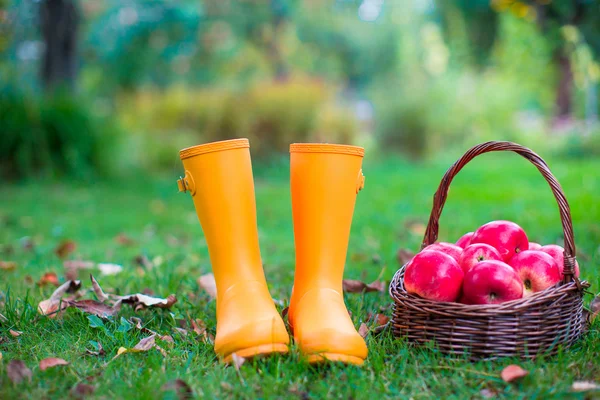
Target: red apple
[(491, 282), (534, 246), (537, 270), (465, 240), (557, 253), (433, 275), (505, 236), (476, 253), (447, 248)]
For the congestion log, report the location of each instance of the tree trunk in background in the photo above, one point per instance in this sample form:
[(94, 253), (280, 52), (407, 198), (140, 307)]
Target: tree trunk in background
[(565, 85), (59, 20)]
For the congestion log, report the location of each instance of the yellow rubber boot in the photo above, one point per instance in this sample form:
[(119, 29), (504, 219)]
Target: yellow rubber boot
[(325, 179), (219, 177)]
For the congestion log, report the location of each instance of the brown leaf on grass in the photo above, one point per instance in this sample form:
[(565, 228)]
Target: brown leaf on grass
[(82, 390), (237, 361), (208, 283), (100, 295), (8, 265), (584, 386), (51, 363), (594, 308), (17, 371), (198, 326), (65, 248), (381, 319), (15, 333), (182, 390), (124, 240), (140, 301), (145, 344), (488, 393), (167, 338), (181, 331), (93, 307), (354, 286), (50, 307), (363, 330), (49, 278), (512, 373), (404, 256), (100, 351)]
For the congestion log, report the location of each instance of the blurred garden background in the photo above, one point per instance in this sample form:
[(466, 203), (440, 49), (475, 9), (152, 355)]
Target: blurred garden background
[(104, 87), (97, 97)]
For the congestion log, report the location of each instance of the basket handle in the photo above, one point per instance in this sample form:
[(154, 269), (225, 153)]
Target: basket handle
[(439, 198)]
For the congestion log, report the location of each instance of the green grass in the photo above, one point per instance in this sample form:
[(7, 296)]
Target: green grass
[(164, 225)]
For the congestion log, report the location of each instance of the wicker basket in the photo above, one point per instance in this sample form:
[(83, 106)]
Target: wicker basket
[(526, 327)]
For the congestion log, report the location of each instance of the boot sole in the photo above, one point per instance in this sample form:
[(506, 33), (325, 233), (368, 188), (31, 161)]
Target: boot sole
[(326, 357), (262, 350)]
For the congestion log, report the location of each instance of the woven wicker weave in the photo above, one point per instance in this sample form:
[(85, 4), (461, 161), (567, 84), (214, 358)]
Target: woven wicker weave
[(526, 327)]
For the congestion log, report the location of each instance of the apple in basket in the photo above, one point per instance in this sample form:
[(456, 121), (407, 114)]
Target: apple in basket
[(434, 275), (537, 270), (491, 282), (534, 246), (448, 248), (476, 253), (465, 240), (505, 236), (557, 253)]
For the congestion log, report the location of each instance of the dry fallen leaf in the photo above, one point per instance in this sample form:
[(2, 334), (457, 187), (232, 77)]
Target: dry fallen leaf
[(182, 389), (404, 256), (100, 295), (584, 386), (100, 351), (381, 319), (140, 301), (208, 283), (594, 308), (198, 326), (93, 307), (354, 286), (51, 362), (145, 344), (15, 333), (17, 371), (8, 265), (65, 248), (124, 240), (167, 338), (512, 373), (82, 390), (363, 330), (109, 269), (238, 361), (49, 278), (50, 307)]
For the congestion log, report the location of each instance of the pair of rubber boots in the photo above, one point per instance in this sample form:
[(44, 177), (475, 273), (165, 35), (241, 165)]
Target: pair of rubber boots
[(325, 179)]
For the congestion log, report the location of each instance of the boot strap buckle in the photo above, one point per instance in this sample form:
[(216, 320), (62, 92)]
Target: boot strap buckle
[(186, 183)]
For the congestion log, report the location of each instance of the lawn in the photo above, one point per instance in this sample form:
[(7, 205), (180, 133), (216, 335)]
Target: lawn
[(162, 226)]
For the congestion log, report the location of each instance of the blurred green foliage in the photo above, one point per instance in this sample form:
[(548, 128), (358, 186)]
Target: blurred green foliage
[(413, 76), (53, 136)]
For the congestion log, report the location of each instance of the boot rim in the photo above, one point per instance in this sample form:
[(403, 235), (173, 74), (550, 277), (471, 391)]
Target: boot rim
[(327, 148), (214, 146)]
